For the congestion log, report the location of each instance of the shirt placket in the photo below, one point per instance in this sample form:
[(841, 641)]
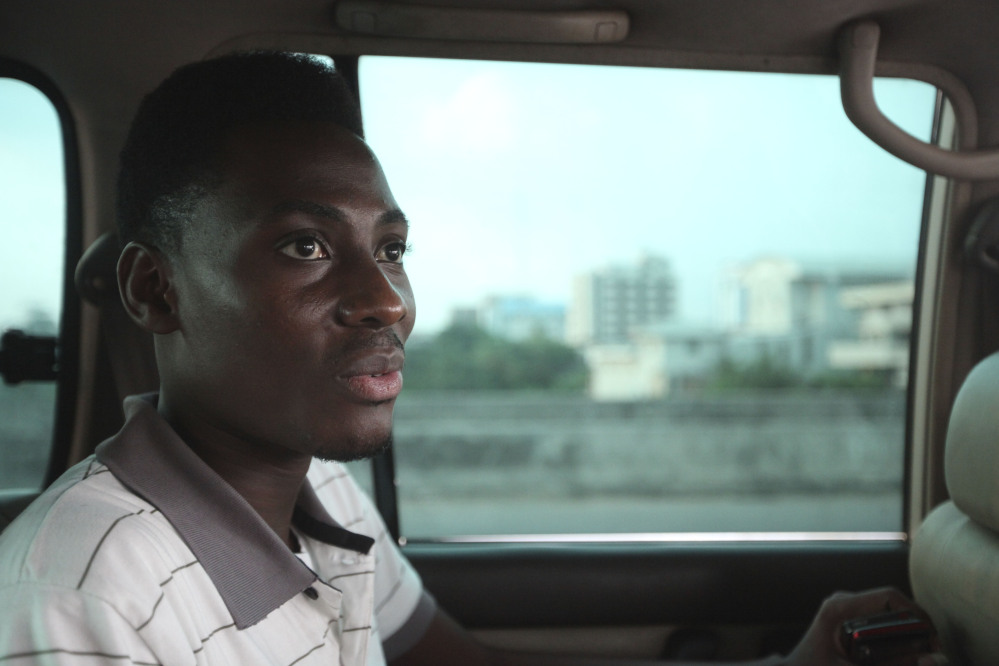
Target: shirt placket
[(352, 574)]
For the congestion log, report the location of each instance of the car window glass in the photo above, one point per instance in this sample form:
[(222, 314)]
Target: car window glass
[(32, 251), (649, 300)]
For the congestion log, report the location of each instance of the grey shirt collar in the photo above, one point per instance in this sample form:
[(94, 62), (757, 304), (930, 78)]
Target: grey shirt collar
[(252, 569)]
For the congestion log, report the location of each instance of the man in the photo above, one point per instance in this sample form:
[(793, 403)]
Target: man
[(264, 251)]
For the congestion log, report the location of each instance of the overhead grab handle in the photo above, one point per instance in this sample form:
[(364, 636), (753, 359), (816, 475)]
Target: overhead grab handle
[(858, 55), (529, 26)]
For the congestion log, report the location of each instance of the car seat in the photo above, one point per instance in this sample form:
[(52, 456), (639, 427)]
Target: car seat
[(954, 561)]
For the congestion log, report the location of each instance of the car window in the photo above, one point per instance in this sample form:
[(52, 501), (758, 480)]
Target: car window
[(32, 257), (649, 301)]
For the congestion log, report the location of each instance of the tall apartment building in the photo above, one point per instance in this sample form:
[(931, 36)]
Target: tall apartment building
[(609, 304)]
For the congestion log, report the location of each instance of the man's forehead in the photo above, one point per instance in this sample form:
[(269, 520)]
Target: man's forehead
[(335, 213), (268, 171)]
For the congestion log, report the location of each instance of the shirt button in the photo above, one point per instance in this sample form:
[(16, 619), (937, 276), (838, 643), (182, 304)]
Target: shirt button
[(311, 593)]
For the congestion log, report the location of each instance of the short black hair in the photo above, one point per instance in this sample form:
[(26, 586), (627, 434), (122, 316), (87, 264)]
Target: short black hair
[(167, 162)]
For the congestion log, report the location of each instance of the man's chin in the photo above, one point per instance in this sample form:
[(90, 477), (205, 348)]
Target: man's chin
[(351, 451)]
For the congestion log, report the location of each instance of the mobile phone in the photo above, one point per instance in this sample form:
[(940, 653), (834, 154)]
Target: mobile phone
[(878, 638)]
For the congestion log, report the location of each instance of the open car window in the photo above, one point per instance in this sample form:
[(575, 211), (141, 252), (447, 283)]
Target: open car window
[(32, 258), (650, 301)]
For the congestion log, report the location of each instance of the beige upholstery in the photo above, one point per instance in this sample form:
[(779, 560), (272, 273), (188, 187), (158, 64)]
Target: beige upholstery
[(955, 555)]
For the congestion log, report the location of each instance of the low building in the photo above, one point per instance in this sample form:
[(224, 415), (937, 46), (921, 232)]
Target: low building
[(627, 372), (881, 342), (657, 361), (795, 313), (522, 318)]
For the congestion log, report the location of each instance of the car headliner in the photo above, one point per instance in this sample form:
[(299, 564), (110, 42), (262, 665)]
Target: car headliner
[(89, 44)]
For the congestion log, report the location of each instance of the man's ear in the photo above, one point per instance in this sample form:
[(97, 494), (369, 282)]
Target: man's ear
[(145, 279)]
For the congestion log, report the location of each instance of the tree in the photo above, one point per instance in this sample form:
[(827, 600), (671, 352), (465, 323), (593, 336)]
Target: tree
[(465, 356), (760, 373)]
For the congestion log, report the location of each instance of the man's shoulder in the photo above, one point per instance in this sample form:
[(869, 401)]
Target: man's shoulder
[(89, 533), (91, 568)]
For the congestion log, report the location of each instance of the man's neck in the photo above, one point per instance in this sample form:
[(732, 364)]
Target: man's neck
[(272, 491), (269, 482)]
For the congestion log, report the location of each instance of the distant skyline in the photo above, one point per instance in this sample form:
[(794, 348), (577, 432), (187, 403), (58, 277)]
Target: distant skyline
[(517, 177)]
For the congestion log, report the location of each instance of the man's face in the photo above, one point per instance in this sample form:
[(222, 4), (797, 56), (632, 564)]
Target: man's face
[(292, 298)]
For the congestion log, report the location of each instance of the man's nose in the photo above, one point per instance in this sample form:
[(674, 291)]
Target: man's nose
[(369, 298)]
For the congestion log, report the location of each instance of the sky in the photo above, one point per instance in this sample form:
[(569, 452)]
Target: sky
[(518, 177)]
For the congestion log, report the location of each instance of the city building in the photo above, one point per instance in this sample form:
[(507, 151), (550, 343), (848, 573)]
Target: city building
[(521, 318), (627, 372), (792, 313), (609, 304), (881, 343), (658, 360), (808, 321)]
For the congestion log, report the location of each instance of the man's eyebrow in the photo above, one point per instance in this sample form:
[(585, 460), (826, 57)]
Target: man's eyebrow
[(393, 216), (310, 208)]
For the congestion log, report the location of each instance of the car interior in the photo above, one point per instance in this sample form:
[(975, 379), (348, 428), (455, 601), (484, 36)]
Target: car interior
[(795, 203)]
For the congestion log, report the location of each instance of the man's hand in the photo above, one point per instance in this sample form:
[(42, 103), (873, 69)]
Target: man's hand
[(821, 645)]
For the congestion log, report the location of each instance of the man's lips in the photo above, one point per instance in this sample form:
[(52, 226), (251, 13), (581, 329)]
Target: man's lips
[(376, 388), (375, 377)]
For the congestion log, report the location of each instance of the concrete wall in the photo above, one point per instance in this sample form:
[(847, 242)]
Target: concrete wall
[(461, 445)]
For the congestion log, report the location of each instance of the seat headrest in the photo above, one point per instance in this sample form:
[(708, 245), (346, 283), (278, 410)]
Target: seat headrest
[(971, 457), (96, 274)]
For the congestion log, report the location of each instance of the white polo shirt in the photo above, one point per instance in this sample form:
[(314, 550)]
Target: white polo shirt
[(141, 554)]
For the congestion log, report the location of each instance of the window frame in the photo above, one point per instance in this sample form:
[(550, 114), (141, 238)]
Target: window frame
[(68, 341), (383, 466)]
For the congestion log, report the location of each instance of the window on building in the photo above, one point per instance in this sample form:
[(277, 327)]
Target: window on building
[(729, 402), (32, 251)]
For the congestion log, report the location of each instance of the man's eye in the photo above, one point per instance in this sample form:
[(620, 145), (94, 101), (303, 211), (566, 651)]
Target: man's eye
[(307, 248), (393, 252)]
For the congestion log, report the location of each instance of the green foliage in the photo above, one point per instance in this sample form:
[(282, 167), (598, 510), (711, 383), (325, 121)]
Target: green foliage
[(856, 379), (467, 357), (765, 373), (761, 373)]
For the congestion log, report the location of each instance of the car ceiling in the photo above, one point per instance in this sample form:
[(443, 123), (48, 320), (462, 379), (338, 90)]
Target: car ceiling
[(86, 42)]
